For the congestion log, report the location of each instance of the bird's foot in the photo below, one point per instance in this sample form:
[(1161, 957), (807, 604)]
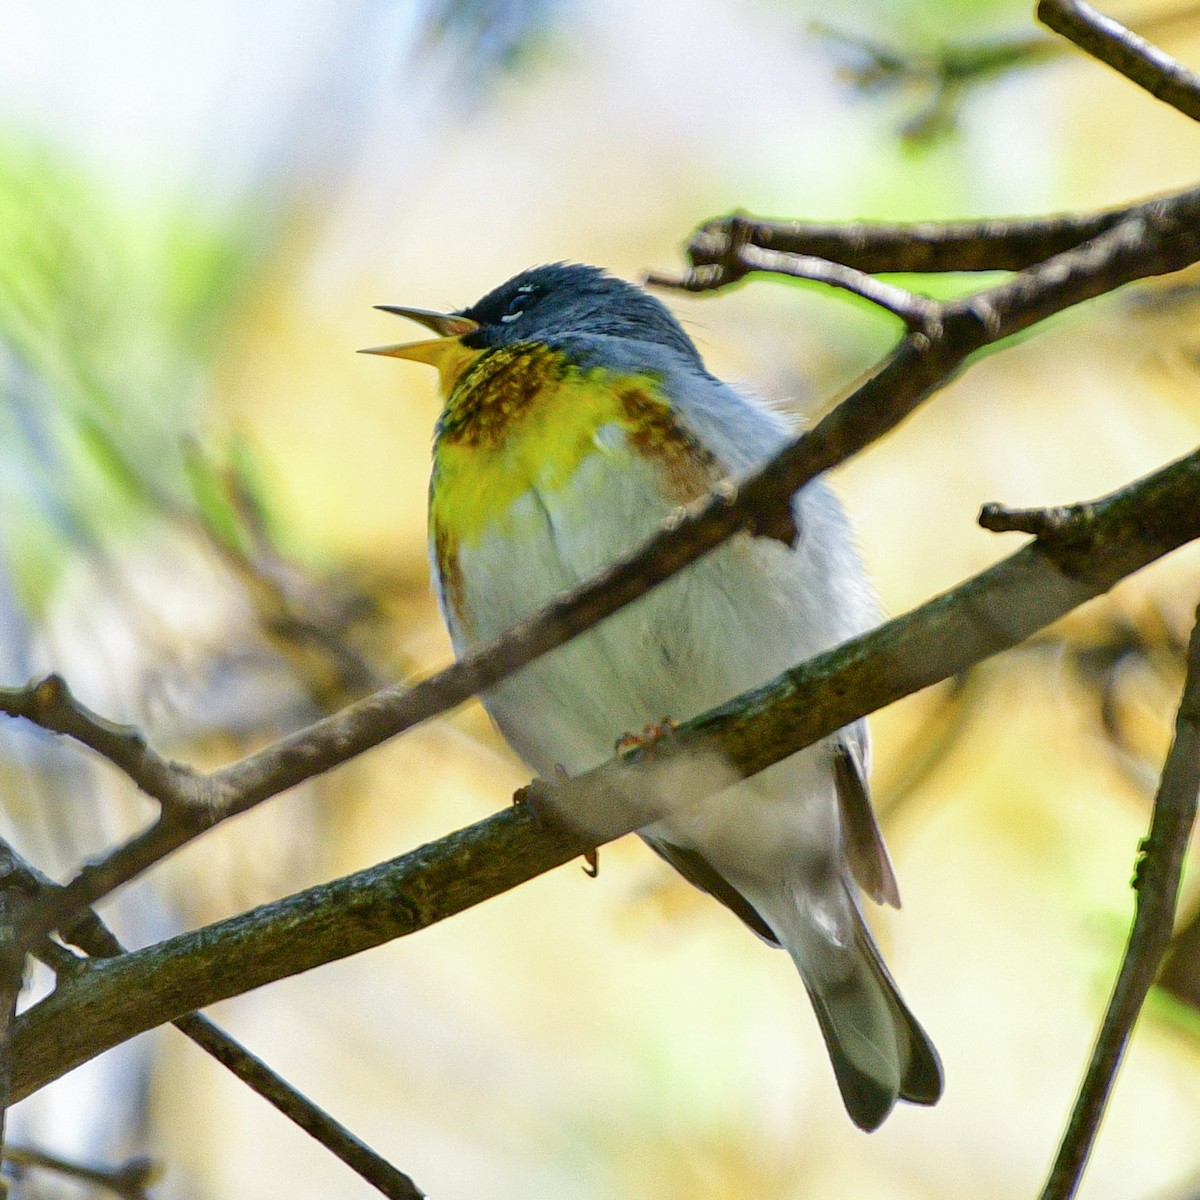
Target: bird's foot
[(535, 795), (650, 736)]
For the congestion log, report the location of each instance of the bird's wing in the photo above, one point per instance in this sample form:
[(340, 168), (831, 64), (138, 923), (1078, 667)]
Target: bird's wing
[(699, 872), (862, 841)]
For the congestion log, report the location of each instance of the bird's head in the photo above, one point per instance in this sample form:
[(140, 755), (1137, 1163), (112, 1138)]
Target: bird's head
[(564, 305)]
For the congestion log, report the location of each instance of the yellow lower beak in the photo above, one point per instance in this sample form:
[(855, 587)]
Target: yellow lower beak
[(445, 352)]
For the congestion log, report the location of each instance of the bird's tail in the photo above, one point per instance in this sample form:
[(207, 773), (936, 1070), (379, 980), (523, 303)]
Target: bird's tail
[(880, 1054)]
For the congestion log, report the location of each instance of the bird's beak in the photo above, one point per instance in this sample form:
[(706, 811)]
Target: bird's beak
[(446, 352)]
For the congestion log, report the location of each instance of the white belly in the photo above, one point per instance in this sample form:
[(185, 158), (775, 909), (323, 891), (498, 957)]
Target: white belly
[(729, 622)]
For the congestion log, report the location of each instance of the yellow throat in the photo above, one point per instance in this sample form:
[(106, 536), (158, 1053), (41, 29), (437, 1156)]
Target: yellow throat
[(523, 419)]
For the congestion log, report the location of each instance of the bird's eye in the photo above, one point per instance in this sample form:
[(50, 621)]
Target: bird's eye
[(521, 299)]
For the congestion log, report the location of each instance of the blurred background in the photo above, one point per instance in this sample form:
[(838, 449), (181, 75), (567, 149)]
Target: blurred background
[(213, 525)]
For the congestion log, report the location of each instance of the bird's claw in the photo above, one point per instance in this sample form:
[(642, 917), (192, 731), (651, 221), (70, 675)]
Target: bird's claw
[(534, 796)]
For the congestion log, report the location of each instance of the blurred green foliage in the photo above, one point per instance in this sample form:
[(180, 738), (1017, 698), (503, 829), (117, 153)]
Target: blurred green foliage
[(111, 318)]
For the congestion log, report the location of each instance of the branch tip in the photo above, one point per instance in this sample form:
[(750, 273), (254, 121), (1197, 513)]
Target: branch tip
[(1129, 54), (1038, 522)]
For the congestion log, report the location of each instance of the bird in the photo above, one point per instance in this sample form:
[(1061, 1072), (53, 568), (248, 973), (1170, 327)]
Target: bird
[(579, 416)]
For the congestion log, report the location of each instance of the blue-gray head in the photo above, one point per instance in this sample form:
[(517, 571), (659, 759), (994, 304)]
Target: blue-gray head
[(564, 302), (568, 306)]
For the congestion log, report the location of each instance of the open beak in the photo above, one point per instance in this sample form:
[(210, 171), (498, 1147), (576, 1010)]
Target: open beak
[(445, 352)]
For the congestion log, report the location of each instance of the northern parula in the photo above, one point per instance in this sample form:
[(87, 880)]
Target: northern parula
[(578, 414)]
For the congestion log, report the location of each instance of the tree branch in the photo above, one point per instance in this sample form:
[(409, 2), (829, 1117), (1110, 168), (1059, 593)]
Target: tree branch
[(1099, 544), (1138, 60), (1150, 240), (917, 312), (259, 1078), (1156, 883), (922, 247), (50, 705), (298, 1108)]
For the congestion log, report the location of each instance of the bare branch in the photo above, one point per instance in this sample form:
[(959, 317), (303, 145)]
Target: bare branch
[(315, 1121), (1004, 605), (922, 247), (1156, 884), (259, 1077), (917, 312), (881, 66), (92, 935), (942, 74), (49, 704), (1137, 59)]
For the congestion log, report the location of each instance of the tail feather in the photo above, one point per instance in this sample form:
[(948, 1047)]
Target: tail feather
[(880, 1053), (862, 1049)]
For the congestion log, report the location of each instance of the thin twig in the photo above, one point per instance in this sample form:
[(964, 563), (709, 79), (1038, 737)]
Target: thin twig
[(917, 312), (131, 1179), (944, 72), (92, 935), (948, 64), (1137, 59), (995, 610), (1156, 884), (254, 1073), (315, 1121), (331, 670), (50, 704)]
